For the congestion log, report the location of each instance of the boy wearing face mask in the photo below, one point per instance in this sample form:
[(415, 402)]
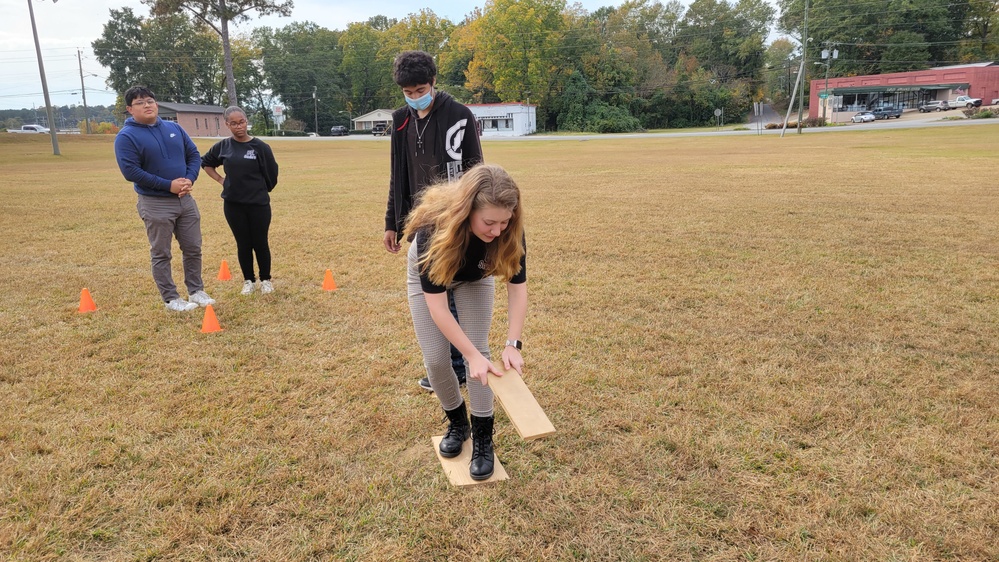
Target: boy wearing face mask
[(434, 139)]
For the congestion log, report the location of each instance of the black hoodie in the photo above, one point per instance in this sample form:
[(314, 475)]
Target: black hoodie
[(450, 146)]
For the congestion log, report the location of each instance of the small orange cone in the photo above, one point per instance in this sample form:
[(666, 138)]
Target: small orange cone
[(210, 324), (86, 303), (224, 274), (328, 283)]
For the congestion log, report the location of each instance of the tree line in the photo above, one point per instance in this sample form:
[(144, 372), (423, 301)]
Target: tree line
[(641, 65), (102, 118)]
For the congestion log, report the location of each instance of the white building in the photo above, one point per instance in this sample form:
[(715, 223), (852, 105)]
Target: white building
[(505, 119), (368, 121), (493, 119)]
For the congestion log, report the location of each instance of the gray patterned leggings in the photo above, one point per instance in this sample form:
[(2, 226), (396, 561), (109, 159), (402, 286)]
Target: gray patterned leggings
[(474, 302)]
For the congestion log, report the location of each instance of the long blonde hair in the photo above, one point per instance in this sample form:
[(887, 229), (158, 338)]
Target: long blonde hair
[(444, 212)]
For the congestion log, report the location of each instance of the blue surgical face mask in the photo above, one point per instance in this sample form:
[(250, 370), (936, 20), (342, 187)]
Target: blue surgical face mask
[(422, 102)]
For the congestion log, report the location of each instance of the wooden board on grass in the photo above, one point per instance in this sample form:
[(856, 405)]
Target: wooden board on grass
[(456, 468), (519, 404)]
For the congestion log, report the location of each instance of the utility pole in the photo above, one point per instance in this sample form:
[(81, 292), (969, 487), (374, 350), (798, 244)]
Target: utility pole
[(828, 54), (804, 58), (83, 90), (315, 109), (45, 85)]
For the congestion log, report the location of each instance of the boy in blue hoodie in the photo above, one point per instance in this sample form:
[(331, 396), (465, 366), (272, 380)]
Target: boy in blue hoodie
[(163, 163)]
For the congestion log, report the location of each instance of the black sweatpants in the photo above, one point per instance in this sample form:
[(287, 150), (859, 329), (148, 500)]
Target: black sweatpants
[(249, 225)]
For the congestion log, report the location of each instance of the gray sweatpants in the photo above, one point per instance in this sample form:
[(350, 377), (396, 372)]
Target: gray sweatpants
[(474, 302), (166, 217)]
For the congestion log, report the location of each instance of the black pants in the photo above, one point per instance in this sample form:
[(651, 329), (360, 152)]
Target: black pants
[(249, 225)]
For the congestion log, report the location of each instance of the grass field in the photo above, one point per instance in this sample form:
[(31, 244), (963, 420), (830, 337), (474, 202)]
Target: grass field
[(752, 348)]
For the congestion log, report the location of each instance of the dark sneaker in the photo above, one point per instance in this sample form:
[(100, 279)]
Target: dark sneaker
[(425, 383)]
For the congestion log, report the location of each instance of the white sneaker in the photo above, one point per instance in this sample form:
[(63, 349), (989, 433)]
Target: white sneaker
[(247, 288), (180, 305), (201, 298), (266, 286)]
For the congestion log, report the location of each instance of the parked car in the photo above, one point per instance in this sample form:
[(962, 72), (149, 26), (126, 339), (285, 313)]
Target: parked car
[(338, 131), (863, 117), (379, 130), (887, 112), (966, 101), (938, 105), (312, 135)]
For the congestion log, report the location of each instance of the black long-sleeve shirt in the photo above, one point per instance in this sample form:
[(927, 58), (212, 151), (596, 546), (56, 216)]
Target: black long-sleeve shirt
[(251, 171), (439, 147)]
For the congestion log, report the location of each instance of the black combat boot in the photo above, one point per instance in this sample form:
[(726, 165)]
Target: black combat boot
[(457, 432), (481, 467)]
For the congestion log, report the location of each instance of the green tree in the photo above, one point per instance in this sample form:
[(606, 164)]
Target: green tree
[(727, 39), (460, 65), (381, 23), (519, 41), (217, 14), (906, 50), (981, 29), (250, 82), (120, 47), (422, 31), (779, 61), (623, 55), (864, 31), (302, 59), (570, 106), (176, 58), (367, 67)]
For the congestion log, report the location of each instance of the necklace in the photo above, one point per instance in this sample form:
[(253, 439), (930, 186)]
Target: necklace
[(419, 133)]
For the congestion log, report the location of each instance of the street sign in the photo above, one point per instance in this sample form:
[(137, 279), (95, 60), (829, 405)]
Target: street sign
[(823, 96)]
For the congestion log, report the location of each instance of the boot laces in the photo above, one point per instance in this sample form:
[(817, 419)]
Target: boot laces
[(453, 430), (482, 445)]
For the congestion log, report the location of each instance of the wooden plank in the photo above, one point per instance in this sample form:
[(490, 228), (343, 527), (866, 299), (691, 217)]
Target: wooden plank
[(456, 468), (519, 404)]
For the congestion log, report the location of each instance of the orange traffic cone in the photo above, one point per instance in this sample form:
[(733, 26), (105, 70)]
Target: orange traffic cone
[(328, 283), (224, 274), (210, 324), (86, 303)]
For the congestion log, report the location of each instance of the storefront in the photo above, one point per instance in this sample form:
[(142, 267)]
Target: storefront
[(905, 90)]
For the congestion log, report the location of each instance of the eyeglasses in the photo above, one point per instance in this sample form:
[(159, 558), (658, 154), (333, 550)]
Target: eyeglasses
[(237, 123), (143, 103)]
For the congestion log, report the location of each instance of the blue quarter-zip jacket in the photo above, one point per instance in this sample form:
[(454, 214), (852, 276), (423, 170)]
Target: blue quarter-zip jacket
[(152, 156)]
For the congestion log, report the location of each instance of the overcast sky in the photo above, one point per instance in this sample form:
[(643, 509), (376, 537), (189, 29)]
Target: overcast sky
[(67, 25)]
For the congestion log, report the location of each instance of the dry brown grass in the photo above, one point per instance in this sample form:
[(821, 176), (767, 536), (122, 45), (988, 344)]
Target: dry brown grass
[(752, 349)]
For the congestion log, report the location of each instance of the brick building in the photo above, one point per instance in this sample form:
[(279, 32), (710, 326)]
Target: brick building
[(196, 120), (905, 90)]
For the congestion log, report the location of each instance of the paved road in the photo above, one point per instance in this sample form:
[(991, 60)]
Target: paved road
[(910, 120), (770, 115)]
